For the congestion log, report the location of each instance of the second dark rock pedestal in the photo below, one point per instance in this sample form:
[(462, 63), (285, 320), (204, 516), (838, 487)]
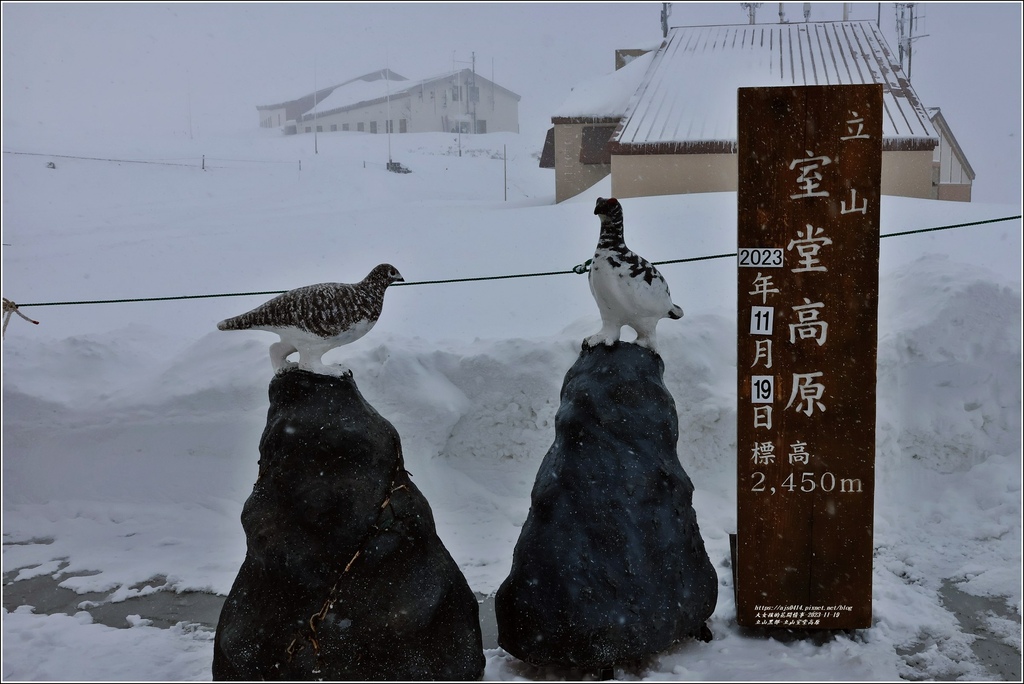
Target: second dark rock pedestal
[(344, 577), (610, 566)]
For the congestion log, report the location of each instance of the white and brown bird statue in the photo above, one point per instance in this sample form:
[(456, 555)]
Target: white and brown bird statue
[(314, 319), (628, 289)]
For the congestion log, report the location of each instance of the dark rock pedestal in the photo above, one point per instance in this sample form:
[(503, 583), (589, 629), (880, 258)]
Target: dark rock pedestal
[(610, 566), (344, 576)]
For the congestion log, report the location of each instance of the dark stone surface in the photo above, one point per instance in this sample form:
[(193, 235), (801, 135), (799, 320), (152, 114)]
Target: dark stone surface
[(403, 610), (610, 566)]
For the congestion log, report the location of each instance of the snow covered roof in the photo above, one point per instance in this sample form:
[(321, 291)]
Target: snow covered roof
[(358, 90), (294, 109), (605, 97), (686, 100), (356, 93)]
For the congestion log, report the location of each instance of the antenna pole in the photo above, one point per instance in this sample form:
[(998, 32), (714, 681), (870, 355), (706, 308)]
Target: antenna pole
[(387, 86), (472, 84), (901, 38), (751, 9), (910, 42), (316, 149), (462, 98)]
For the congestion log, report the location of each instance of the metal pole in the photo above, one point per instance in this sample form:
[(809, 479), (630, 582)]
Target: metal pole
[(910, 42), (387, 85), (316, 149), (462, 98)]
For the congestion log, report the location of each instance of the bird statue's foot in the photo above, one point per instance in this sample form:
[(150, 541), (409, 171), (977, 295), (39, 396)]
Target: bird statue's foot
[(333, 370), (284, 367), (599, 338), (646, 343)]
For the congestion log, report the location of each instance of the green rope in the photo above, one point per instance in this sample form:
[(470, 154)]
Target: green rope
[(481, 278), (156, 299), (955, 225), (579, 269)]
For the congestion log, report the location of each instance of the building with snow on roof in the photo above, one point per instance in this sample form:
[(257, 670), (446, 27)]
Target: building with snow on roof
[(383, 101), (665, 122), (953, 173)]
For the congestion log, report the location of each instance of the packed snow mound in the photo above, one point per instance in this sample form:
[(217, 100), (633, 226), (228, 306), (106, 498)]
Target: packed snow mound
[(951, 334)]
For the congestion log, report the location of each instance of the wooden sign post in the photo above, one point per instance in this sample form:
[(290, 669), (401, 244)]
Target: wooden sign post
[(809, 187)]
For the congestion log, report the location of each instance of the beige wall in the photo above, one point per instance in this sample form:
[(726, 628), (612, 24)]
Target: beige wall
[(908, 174), (955, 192), (572, 177), (642, 175)]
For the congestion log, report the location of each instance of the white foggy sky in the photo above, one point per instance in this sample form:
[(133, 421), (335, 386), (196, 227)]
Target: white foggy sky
[(155, 68)]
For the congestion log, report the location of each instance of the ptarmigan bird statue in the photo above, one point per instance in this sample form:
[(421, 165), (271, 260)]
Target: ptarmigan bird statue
[(628, 289), (314, 319)]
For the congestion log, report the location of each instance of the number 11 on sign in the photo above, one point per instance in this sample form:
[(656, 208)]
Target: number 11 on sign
[(762, 320)]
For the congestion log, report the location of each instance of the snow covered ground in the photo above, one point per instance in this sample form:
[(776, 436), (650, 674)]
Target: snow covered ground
[(130, 430)]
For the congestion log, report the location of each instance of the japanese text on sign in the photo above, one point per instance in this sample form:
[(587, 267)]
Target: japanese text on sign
[(807, 269)]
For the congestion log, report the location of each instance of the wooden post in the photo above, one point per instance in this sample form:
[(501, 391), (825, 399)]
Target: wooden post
[(808, 230)]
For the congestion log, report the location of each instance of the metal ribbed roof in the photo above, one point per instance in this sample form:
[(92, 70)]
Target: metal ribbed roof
[(687, 98)]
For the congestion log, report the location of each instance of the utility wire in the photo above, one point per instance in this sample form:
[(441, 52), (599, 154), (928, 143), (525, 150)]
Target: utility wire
[(159, 162), (120, 161), (579, 270)]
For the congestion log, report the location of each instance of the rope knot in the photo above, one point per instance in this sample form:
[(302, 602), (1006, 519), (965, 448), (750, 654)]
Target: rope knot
[(580, 269), (12, 308)]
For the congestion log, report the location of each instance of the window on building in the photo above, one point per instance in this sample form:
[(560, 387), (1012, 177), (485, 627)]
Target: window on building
[(360, 127), (481, 126), (456, 93), (319, 129), (474, 94), (308, 129), (334, 127), (403, 126), (344, 127), (373, 126)]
